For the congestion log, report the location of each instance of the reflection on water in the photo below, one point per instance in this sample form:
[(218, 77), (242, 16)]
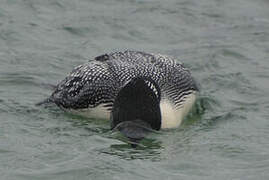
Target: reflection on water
[(147, 149)]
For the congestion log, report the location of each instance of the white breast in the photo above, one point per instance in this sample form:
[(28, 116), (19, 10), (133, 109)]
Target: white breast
[(99, 112), (172, 116)]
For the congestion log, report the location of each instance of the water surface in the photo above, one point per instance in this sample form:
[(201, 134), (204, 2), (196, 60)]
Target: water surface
[(224, 43)]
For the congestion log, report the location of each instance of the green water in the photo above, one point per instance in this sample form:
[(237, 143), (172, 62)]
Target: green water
[(224, 43)]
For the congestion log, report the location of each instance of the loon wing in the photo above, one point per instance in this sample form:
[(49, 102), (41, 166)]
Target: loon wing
[(87, 86)]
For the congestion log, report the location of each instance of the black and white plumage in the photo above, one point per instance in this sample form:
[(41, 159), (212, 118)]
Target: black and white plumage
[(91, 88)]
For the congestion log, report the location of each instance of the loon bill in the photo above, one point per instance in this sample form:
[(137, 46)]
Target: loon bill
[(138, 91)]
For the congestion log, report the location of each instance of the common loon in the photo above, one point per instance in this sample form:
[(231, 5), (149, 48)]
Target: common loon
[(137, 91)]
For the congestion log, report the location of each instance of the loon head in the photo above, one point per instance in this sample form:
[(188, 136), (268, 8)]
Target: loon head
[(136, 109)]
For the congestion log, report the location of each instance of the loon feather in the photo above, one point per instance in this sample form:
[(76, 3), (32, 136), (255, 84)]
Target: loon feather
[(91, 88)]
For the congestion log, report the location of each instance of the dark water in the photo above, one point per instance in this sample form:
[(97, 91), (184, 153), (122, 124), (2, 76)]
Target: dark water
[(224, 43)]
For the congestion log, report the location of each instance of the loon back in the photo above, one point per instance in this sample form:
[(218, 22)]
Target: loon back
[(91, 88)]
